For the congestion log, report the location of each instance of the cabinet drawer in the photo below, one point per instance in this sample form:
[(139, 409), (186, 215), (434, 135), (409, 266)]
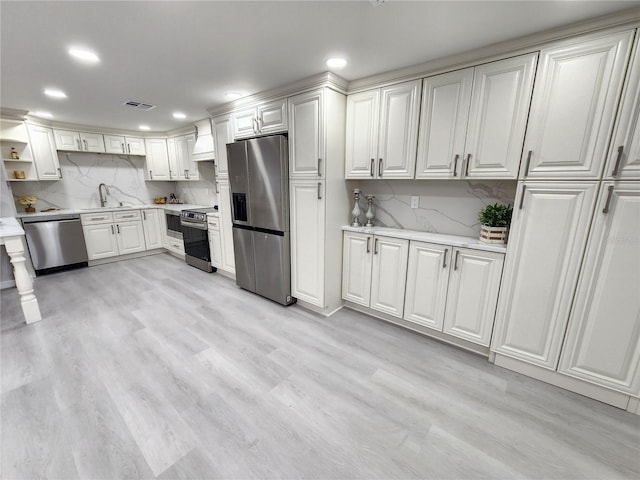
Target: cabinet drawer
[(95, 218), (127, 216), (214, 223)]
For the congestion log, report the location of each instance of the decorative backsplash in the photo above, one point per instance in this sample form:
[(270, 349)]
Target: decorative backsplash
[(445, 206), (124, 177)]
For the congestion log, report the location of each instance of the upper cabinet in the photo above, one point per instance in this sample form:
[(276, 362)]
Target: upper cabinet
[(157, 160), (124, 145), (263, 119), (624, 150), (222, 134), (573, 107), (181, 164), (307, 135), (45, 156), (473, 121), (79, 141), (382, 132)]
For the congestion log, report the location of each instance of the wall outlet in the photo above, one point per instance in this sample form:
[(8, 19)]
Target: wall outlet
[(415, 201)]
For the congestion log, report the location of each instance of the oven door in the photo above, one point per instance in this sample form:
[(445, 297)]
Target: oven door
[(196, 241), (173, 225)]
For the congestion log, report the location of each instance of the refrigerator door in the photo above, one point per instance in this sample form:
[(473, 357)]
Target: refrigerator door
[(272, 266), (268, 166), (239, 183), (243, 247)]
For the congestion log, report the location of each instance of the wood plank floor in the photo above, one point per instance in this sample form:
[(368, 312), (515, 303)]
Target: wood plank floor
[(149, 368)]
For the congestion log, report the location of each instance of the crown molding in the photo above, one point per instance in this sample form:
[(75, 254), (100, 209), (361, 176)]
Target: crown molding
[(13, 114)]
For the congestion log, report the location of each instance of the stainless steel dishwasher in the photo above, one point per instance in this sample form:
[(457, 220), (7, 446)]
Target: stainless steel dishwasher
[(55, 242)]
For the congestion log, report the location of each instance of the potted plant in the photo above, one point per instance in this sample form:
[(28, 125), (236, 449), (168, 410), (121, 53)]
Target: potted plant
[(495, 220), (29, 201)]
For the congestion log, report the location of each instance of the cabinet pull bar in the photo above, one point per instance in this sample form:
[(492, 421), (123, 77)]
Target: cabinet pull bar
[(128, 148), (59, 173), (444, 258), (150, 175), (466, 171), (123, 150), (372, 162), (79, 145), (455, 265), (319, 191), (524, 187), (112, 230), (375, 246), (618, 158), (455, 165), (319, 161), (368, 248), (85, 144), (380, 167), (606, 205), (526, 168), (144, 215), (118, 228), (260, 123)]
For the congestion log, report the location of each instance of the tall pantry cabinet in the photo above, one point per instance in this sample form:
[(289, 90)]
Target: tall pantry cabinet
[(559, 241), (318, 195)]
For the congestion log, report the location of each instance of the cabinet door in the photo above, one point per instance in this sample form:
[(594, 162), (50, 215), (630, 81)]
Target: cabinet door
[(223, 134), (498, 117), (548, 234), (216, 248), (226, 232), (307, 241), (115, 144), (624, 151), (473, 294), (306, 135), (44, 152), (152, 228), (130, 237), (135, 146), (244, 123), (603, 339), (427, 279), (193, 172), (157, 159), (100, 240), (443, 124), (398, 130), (272, 117), (362, 134), (66, 140), (356, 267), (181, 159), (389, 275), (573, 107), (172, 160), (92, 142)]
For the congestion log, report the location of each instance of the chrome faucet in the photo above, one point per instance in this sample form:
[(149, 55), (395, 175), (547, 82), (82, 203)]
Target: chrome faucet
[(103, 199)]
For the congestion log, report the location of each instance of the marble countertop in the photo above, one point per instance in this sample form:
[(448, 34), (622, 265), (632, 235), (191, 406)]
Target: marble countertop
[(10, 227), (176, 207), (439, 238)]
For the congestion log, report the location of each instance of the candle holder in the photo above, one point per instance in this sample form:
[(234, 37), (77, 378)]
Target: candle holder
[(370, 211), (356, 209)]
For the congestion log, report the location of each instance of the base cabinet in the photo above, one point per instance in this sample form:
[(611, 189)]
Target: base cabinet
[(215, 246), (108, 234), (100, 241), (152, 228), (226, 228)]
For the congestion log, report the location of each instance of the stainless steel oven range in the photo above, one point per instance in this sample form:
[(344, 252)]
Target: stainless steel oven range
[(196, 238)]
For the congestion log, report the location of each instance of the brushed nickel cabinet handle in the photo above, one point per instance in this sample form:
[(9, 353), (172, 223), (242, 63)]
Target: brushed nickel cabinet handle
[(59, 173), (112, 230), (618, 158), (444, 258), (150, 175), (123, 150), (319, 162), (609, 194), (372, 162), (380, 167), (79, 144), (118, 228), (128, 216), (368, 248), (466, 171), (524, 187), (455, 165), (144, 215), (85, 144), (260, 123), (455, 264), (128, 148), (319, 191), (375, 246), (526, 168)]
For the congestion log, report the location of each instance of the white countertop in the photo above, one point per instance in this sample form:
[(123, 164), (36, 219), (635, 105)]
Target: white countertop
[(439, 238), (176, 207), (10, 227)]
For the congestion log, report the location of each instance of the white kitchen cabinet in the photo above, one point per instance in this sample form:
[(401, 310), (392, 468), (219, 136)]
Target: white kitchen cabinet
[(226, 225), (130, 237), (382, 132), (375, 271), (262, 119), (182, 167), (152, 228), (578, 85), (624, 151), (602, 343), (222, 134), (124, 145), (100, 240), (108, 234), (215, 245), (472, 295), (307, 147), (546, 244), (79, 141), (157, 159), (473, 120), (44, 152)]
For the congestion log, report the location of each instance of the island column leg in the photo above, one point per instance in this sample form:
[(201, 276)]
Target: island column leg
[(30, 307)]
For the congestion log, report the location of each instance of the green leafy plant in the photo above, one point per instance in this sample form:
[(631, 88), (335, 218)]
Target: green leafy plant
[(496, 215)]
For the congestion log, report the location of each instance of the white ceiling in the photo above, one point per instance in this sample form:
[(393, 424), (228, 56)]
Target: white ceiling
[(183, 55)]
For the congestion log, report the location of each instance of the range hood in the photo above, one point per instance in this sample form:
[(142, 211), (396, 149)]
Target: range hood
[(203, 149)]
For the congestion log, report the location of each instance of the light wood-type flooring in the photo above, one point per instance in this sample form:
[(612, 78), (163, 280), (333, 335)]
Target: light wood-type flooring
[(149, 368)]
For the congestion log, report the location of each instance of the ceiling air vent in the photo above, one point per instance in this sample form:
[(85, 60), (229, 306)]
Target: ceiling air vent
[(138, 105)]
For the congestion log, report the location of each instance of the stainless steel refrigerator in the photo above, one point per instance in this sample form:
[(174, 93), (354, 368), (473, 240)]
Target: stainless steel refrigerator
[(258, 176)]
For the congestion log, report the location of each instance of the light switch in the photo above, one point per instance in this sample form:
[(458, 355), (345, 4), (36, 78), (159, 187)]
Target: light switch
[(415, 201)]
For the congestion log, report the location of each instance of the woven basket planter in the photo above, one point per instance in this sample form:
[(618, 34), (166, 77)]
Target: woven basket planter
[(493, 234)]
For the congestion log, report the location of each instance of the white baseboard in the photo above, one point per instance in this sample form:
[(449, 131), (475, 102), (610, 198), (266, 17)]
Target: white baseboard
[(7, 284)]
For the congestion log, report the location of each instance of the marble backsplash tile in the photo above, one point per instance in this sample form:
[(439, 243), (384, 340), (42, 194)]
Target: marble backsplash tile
[(445, 206), (124, 177)]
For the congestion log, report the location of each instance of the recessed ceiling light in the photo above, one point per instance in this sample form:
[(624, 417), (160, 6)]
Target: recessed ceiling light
[(42, 114), (52, 92), (144, 127), (84, 55), (337, 62), (232, 95), (179, 115)]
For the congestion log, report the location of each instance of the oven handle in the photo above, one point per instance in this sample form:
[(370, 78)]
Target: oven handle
[(196, 225)]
